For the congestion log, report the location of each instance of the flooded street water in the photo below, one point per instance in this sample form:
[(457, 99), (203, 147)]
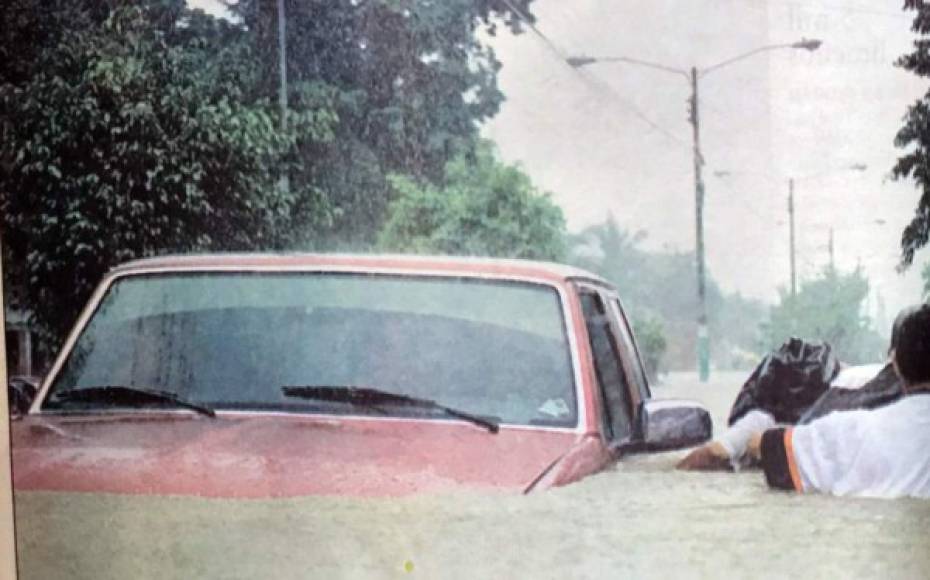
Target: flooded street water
[(640, 519)]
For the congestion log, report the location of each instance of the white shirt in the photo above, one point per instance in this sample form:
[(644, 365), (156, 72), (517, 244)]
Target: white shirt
[(736, 438), (883, 452), (855, 376)]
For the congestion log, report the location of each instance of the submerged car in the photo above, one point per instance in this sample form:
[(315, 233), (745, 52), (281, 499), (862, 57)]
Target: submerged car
[(285, 375)]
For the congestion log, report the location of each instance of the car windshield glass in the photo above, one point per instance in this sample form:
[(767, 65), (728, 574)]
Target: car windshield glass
[(230, 340)]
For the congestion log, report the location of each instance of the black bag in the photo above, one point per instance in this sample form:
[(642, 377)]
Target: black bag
[(788, 381), (885, 388)]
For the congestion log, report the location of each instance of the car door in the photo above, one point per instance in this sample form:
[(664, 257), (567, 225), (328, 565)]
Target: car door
[(619, 396), (631, 355)]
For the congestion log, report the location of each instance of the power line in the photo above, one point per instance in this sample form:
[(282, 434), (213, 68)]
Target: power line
[(599, 84), (526, 20), (594, 82)]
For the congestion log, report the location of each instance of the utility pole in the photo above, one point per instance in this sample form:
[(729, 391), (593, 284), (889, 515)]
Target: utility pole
[(854, 167), (830, 246), (794, 288), (282, 65), (578, 61), (703, 340), (282, 74)]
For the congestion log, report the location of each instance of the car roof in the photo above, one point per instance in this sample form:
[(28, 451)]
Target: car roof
[(461, 265)]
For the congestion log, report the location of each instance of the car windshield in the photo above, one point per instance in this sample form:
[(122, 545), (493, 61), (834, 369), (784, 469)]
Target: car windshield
[(231, 341)]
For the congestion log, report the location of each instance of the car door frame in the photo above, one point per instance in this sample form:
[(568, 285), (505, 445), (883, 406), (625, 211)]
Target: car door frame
[(606, 295), (622, 321)]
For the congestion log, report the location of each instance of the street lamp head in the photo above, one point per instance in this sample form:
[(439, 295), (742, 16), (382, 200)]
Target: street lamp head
[(580, 61), (858, 167), (810, 44)]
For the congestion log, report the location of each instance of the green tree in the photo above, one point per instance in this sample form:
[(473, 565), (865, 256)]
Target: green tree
[(615, 254), (650, 338), (128, 129), (129, 134), (412, 84), (661, 287), (914, 136), (481, 207), (828, 308)]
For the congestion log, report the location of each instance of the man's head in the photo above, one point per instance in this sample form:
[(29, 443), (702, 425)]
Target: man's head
[(910, 342), (896, 325)]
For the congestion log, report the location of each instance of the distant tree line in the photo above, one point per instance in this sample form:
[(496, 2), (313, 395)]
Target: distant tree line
[(659, 290), (831, 308), (660, 294)]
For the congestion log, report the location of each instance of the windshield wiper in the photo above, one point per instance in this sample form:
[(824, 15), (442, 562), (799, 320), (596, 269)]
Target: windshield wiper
[(129, 396), (368, 397)]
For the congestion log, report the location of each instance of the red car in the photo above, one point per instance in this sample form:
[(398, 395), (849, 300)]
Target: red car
[(286, 375)]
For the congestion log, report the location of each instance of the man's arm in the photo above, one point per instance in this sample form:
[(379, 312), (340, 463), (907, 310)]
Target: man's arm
[(774, 449), (730, 450), (813, 457)]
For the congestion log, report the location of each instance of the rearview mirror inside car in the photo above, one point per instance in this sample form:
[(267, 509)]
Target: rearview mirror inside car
[(670, 424)]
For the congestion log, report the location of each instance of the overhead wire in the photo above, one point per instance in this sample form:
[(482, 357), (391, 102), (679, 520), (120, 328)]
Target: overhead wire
[(594, 82)]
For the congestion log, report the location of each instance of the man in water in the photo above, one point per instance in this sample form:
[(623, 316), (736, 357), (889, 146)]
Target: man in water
[(876, 453), (883, 452)]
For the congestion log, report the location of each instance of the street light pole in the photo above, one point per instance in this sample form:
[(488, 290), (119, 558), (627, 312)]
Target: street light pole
[(794, 288), (793, 249), (282, 65), (703, 337), (285, 182)]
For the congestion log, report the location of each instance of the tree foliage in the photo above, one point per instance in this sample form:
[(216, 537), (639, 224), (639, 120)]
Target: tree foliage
[(131, 136), (828, 308), (481, 207), (412, 82), (659, 291), (652, 343), (134, 128), (914, 136)]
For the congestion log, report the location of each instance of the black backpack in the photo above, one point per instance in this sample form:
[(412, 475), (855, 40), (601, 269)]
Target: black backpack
[(788, 381)]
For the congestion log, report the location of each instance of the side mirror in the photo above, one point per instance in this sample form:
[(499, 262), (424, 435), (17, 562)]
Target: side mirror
[(667, 424), (20, 393)]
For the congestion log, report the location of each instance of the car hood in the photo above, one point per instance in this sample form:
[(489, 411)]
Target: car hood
[(275, 455)]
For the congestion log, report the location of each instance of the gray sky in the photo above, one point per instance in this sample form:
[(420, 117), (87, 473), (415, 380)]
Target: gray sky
[(615, 138)]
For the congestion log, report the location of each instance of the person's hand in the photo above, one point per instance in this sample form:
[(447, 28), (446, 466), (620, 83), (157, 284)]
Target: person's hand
[(709, 457), (754, 448)]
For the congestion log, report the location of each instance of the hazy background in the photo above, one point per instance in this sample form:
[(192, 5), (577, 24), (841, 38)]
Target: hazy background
[(615, 137), (612, 137)]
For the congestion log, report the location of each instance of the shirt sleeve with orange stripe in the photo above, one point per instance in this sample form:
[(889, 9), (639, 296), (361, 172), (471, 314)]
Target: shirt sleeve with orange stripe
[(778, 460)]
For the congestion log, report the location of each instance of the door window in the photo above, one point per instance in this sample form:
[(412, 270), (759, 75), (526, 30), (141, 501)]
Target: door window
[(635, 362), (612, 381)]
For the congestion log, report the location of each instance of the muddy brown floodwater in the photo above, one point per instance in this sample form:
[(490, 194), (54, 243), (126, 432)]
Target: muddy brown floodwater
[(640, 519)]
